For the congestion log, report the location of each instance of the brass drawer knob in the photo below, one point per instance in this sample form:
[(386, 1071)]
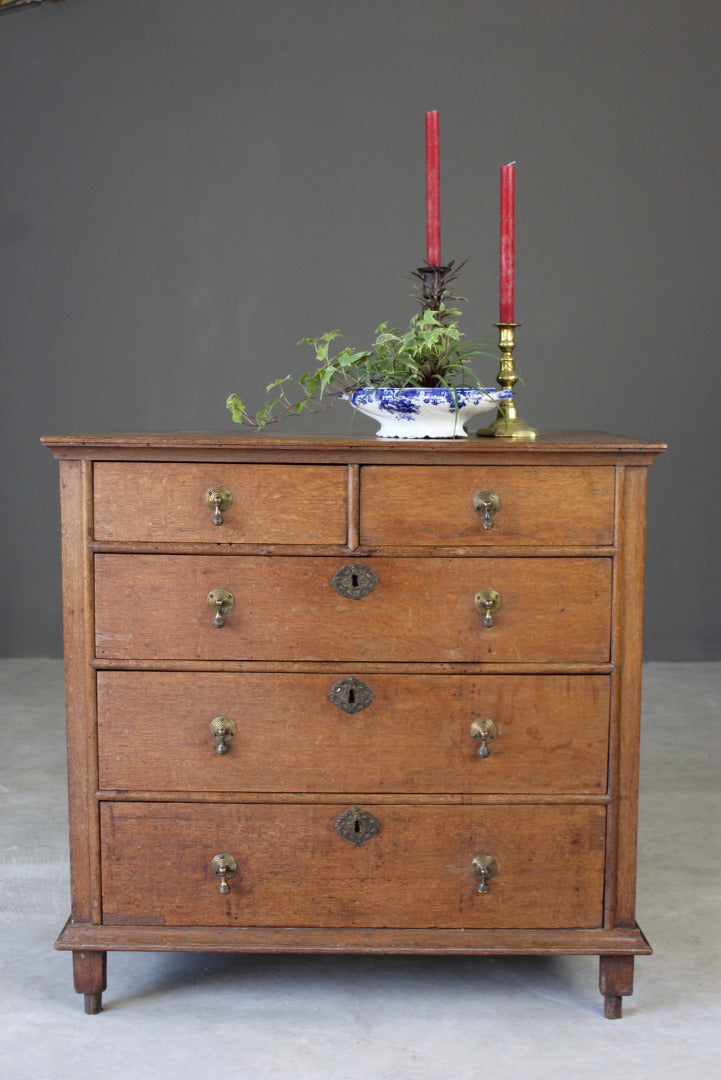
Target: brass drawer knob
[(483, 867), (223, 866), (487, 603), (484, 732), (218, 499), (222, 729), (221, 602), (486, 503)]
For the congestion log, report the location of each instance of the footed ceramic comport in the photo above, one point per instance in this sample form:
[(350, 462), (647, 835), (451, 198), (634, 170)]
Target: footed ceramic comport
[(413, 412)]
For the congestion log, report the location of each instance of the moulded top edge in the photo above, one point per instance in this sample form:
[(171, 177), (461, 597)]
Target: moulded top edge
[(169, 444)]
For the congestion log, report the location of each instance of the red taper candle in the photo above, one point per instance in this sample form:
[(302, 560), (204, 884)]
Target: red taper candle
[(433, 191), (508, 228)]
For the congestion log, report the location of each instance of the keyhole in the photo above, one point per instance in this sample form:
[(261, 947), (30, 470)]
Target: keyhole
[(356, 826), (354, 580), (351, 696)]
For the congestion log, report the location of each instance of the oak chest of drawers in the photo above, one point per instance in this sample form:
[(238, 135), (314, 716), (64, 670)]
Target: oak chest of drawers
[(341, 694)]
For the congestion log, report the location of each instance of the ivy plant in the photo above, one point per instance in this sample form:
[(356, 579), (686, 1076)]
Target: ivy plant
[(432, 352)]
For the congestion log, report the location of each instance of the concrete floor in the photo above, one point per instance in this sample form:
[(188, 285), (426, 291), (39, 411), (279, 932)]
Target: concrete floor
[(342, 1018)]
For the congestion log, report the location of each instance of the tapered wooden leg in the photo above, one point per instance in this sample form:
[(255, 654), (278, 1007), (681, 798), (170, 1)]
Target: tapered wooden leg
[(615, 982), (90, 978)]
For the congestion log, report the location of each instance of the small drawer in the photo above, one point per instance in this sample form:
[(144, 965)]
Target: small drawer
[(292, 732), (269, 504), (287, 608), (538, 505), (371, 865)]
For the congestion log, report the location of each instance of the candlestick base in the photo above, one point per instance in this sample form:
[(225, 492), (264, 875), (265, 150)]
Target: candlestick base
[(508, 424)]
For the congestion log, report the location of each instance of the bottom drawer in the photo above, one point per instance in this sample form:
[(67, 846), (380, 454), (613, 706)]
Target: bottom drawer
[(295, 868)]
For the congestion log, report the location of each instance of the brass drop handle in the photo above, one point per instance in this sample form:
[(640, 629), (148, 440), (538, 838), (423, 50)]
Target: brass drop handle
[(483, 867), (221, 602), (484, 732), (222, 729), (487, 603), (486, 503), (223, 866), (218, 499)]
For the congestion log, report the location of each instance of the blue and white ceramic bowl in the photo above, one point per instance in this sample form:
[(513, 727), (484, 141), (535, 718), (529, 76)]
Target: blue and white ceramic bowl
[(424, 412)]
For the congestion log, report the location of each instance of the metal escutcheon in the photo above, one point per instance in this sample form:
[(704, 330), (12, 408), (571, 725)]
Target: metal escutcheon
[(486, 503), (221, 602), (223, 866), (487, 603), (354, 581), (483, 867), (222, 729), (356, 825), (484, 732), (351, 695), (218, 500)]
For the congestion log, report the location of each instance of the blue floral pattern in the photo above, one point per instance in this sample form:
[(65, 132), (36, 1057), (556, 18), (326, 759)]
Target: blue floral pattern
[(415, 412)]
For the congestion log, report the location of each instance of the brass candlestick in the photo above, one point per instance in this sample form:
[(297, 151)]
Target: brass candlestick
[(508, 424)]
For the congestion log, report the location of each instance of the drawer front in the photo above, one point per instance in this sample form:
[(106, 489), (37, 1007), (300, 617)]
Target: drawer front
[(414, 734), (156, 607), (271, 504), (543, 505), (295, 869)]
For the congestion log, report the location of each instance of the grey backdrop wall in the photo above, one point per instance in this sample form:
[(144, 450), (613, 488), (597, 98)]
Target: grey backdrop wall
[(189, 186)]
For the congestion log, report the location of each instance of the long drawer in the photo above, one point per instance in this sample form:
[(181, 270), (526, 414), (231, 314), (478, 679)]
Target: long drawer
[(297, 731), (536, 505), (295, 868), (156, 607), (269, 504)]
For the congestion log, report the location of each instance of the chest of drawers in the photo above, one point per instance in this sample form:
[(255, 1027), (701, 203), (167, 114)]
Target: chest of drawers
[(339, 694)]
